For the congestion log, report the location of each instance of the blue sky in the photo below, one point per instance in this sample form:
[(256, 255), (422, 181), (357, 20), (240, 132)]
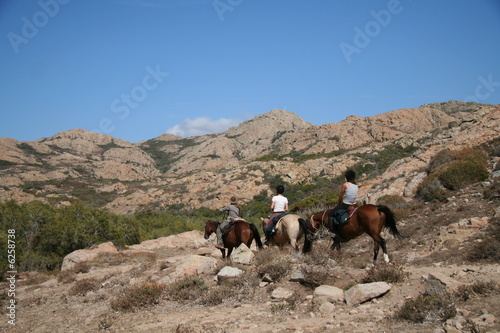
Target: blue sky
[(136, 69)]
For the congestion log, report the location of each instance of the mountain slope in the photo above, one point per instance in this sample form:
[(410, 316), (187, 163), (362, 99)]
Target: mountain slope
[(199, 171)]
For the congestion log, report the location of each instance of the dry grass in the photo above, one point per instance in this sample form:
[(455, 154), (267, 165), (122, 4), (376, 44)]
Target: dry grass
[(286, 306), (488, 249), (273, 262), (386, 273), (107, 259), (82, 287), (187, 289), (428, 309), (138, 297), (476, 290), (37, 278), (69, 275)]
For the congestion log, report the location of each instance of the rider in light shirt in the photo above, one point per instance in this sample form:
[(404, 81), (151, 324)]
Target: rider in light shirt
[(279, 205)]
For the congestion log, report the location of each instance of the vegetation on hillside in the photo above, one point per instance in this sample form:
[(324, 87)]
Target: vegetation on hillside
[(44, 234), (451, 170)]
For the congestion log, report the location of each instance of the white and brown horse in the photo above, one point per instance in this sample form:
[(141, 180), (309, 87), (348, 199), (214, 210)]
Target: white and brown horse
[(290, 229)]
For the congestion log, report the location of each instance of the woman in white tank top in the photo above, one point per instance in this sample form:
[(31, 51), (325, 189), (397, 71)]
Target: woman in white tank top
[(348, 194)]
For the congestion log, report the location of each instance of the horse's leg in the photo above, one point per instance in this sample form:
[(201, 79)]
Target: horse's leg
[(223, 251), (335, 244), (293, 243), (229, 250), (379, 242)]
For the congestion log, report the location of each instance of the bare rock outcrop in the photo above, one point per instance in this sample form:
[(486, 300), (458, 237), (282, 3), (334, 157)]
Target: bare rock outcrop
[(208, 169), (79, 256)]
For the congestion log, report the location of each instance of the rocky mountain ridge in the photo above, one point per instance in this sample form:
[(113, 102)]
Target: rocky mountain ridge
[(171, 171)]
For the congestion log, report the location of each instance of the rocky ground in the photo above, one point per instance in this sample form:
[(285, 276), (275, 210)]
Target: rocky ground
[(438, 240)]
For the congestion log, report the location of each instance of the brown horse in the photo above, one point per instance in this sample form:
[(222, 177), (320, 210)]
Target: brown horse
[(242, 232), (370, 219)]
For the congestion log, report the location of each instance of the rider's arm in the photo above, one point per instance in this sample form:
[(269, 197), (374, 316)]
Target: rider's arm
[(342, 192)]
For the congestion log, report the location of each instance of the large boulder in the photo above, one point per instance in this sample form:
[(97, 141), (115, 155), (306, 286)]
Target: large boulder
[(331, 294), (190, 239), (192, 265), (79, 256), (364, 292), (242, 255)]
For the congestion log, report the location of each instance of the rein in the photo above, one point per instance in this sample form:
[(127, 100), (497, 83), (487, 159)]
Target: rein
[(323, 216), (351, 213)]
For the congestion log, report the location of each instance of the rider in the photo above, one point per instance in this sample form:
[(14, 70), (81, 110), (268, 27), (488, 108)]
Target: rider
[(347, 197), (233, 213), (279, 205)]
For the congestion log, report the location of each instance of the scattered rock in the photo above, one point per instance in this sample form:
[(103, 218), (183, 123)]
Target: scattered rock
[(364, 292), (439, 284), (228, 272), (330, 294), (242, 255), (281, 293)]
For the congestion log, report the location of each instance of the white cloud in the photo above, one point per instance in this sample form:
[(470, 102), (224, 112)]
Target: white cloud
[(202, 126)]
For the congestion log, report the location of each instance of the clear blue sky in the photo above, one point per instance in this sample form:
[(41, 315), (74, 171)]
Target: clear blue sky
[(136, 69)]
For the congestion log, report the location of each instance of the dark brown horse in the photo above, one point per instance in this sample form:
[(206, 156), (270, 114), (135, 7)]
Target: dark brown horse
[(242, 232), (370, 219)]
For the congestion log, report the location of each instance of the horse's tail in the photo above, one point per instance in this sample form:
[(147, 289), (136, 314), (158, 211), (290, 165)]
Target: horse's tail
[(307, 241), (390, 220), (256, 235)]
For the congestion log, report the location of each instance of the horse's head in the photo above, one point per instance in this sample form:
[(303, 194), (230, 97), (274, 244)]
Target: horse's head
[(264, 221), (314, 223), (210, 227)]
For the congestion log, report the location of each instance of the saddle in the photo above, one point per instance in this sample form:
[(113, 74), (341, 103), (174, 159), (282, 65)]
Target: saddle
[(342, 216), (230, 226), (271, 229)]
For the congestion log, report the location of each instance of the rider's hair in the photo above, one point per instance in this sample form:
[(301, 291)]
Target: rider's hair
[(350, 175), (280, 189)]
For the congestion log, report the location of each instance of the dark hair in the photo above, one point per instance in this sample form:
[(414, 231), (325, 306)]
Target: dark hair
[(280, 189), (350, 175)]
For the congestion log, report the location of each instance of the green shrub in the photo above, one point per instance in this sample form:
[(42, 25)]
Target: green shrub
[(459, 174), (431, 189), (452, 170)]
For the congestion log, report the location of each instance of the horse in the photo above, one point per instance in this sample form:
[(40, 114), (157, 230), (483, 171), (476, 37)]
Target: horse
[(242, 232), (290, 228), (368, 218)]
